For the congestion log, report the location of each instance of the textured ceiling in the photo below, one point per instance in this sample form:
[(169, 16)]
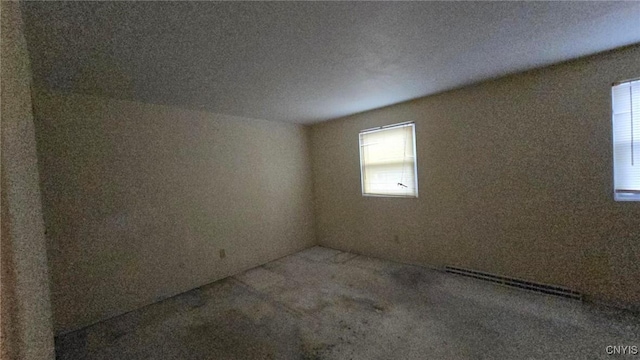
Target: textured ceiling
[(306, 62)]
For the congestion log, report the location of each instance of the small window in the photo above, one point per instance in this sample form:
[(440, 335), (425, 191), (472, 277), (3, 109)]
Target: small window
[(388, 161), (626, 140)]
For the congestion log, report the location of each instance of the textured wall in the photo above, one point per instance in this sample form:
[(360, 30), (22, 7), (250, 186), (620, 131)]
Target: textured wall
[(24, 282), (515, 178), (140, 199)]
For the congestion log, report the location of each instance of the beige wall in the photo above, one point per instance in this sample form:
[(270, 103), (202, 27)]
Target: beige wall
[(139, 199), (515, 178), (25, 309)]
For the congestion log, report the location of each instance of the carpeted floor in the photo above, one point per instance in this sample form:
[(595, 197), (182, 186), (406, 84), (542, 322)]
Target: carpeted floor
[(326, 304)]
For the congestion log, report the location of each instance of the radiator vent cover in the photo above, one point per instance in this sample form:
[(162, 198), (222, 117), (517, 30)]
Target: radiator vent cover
[(522, 284)]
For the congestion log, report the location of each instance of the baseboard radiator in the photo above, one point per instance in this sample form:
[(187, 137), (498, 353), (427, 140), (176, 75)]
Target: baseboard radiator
[(517, 283)]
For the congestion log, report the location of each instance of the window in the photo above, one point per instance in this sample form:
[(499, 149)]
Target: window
[(388, 161), (626, 140)]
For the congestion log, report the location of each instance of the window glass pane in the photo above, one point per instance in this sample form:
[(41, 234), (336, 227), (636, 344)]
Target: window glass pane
[(387, 158), (626, 140)]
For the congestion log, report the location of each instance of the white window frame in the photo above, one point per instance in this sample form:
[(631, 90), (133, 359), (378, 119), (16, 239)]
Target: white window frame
[(415, 160), (624, 194)]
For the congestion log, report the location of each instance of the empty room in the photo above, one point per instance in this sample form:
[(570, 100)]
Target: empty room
[(320, 180)]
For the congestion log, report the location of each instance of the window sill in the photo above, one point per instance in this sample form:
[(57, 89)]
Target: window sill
[(626, 196), (391, 196)]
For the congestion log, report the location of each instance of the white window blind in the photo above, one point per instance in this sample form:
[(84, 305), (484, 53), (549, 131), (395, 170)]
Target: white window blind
[(388, 161), (626, 140)]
